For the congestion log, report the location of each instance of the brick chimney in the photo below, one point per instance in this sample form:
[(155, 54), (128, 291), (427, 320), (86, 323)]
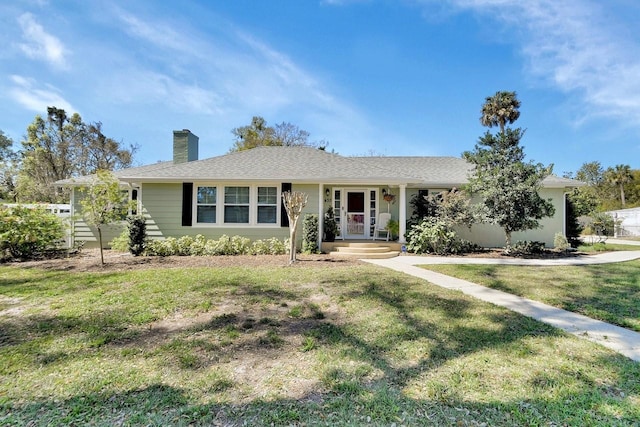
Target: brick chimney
[(185, 146)]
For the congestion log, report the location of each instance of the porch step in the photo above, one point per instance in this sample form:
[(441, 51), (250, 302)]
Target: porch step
[(364, 250)]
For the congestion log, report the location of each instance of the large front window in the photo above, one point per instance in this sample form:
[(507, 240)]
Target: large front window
[(236, 205)]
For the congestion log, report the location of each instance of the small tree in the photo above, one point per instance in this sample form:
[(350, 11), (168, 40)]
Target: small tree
[(294, 202), (103, 203)]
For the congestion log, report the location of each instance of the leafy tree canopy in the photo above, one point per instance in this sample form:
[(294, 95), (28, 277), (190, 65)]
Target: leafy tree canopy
[(60, 147), (5, 147), (8, 160), (607, 189), (258, 134)]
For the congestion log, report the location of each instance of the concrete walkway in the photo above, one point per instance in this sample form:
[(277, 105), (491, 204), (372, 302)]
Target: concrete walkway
[(614, 337)]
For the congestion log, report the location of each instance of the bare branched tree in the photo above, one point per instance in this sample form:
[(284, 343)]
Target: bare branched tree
[(294, 202)]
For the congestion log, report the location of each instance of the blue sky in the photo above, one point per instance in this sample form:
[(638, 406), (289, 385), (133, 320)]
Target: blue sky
[(404, 77)]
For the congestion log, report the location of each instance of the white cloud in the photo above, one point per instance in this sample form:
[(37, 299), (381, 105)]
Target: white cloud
[(223, 71), (134, 85), (38, 44), (26, 93), (580, 47)]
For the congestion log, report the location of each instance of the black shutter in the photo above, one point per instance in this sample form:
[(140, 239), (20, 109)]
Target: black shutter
[(187, 204), (284, 218)]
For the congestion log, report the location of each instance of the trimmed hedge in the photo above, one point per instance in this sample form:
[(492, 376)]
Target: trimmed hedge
[(225, 245)]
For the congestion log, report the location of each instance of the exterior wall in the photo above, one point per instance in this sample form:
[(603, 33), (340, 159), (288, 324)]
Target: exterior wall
[(492, 236), (162, 209)]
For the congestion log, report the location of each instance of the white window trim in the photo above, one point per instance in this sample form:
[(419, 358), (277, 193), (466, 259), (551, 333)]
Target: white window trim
[(194, 208), (253, 205)]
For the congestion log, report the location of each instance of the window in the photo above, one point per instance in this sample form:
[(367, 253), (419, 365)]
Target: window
[(215, 204), (236, 205), (267, 205), (206, 204)]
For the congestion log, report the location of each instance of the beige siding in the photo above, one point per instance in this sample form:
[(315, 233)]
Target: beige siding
[(492, 236)]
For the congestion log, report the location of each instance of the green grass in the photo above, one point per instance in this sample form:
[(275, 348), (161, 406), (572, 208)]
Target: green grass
[(290, 346), (606, 247), (608, 292)]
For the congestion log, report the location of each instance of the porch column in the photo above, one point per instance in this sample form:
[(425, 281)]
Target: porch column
[(402, 229), (320, 215)]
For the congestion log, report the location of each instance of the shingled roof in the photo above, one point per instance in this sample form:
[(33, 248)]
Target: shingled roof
[(294, 164), (309, 165)]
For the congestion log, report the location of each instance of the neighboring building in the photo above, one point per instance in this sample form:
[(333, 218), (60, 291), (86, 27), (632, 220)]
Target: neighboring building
[(240, 193), (627, 222)]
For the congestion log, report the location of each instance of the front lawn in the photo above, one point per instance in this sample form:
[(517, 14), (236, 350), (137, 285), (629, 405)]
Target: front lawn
[(353, 345), (608, 292), (606, 247)]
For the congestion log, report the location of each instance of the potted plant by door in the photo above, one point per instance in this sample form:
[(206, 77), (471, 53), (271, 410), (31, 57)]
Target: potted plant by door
[(330, 226), (394, 229)]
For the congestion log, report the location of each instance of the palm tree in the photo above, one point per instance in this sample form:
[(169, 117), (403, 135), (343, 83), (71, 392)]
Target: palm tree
[(620, 176), (500, 109)]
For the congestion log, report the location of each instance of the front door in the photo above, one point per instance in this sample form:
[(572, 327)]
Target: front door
[(355, 214)]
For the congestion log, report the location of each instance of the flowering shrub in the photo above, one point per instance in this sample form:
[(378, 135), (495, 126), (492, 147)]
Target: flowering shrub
[(436, 236), (28, 232), (225, 245)]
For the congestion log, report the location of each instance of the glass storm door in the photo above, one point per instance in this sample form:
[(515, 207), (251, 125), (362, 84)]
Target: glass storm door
[(355, 214)]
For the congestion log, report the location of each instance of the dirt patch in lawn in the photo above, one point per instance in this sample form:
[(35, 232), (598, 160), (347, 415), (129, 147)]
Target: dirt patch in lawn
[(88, 260)]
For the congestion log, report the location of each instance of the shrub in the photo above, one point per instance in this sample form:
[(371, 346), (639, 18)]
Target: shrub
[(330, 226), (560, 242), (28, 232), (225, 245), (602, 224), (120, 243), (310, 234), (137, 235), (270, 246), (527, 247), (436, 236)]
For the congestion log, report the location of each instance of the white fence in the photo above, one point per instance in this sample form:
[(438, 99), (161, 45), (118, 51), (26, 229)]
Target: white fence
[(627, 222)]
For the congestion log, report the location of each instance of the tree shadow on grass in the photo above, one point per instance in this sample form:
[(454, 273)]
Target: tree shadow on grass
[(452, 328), (344, 403)]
